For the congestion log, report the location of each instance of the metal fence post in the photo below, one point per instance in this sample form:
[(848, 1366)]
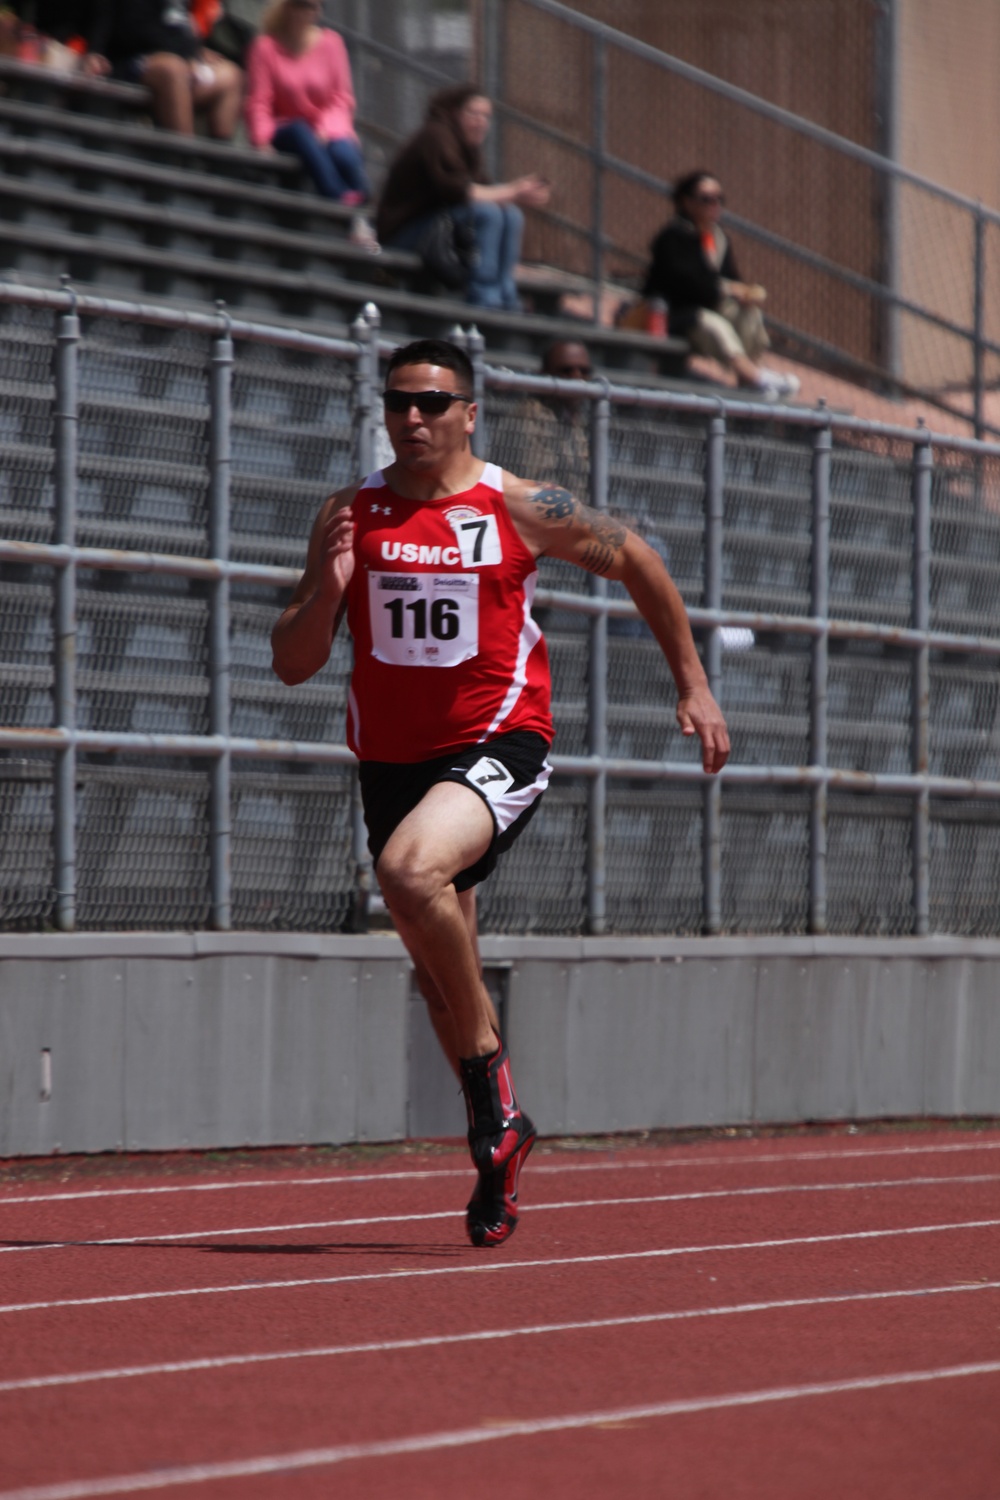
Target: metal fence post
[(66, 418), (978, 313), (364, 331), (819, 676), (600, 97), (219, 624), (491, 77), (475, 348), (711, 837), (923, 460), (597, 685)]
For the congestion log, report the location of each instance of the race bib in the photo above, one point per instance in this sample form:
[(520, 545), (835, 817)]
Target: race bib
[(424, 619), (478, 537)]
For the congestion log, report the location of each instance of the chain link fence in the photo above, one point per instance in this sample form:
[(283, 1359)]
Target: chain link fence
[(870, 268), (158, 479)]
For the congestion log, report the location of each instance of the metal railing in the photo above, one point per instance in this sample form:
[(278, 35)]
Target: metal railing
[(918, 332), (718, 429), (914, 313)]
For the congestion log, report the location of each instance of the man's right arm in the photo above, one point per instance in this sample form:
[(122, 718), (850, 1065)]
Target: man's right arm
[(302, 639)]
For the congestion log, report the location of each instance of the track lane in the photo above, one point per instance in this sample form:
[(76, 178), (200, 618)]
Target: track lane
[(784, 1154), (901, 1445), (455, 1296), (197, 1418), (37, 1342), (30, 1229)]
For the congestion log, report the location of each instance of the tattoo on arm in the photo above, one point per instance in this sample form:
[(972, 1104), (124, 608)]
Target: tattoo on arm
[(604, 536), (555, 503)]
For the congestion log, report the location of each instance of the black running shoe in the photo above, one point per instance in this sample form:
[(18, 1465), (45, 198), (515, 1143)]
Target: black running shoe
[(500, 1137), (491, 1216)]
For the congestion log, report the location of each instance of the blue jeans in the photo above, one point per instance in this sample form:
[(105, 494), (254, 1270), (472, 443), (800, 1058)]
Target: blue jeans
[(336, 167), (498, 228)]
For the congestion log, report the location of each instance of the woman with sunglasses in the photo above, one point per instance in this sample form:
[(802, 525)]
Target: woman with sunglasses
[(300, 99), (694, 271), (434, 561), (439, 170)]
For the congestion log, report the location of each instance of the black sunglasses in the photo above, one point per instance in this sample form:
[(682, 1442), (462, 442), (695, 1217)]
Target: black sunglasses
[(584, 372), (428, 403)]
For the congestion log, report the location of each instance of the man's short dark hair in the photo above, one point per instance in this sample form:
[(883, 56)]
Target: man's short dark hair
[(435, 352)]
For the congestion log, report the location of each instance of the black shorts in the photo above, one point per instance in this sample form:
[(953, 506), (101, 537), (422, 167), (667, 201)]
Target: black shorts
[(509, 772)]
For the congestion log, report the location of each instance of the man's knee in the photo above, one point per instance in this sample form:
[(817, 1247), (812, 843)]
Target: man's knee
[(409, 880)]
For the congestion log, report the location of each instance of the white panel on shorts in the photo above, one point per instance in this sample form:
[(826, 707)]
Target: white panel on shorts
[(493, 781)]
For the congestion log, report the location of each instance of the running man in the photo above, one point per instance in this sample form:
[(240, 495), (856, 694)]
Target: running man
[(434, 562)]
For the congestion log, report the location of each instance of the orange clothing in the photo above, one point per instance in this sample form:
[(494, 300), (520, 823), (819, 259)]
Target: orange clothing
[(204, 14)]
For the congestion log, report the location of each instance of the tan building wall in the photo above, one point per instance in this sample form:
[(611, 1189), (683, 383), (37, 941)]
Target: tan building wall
[(948, 129), (814, 59)]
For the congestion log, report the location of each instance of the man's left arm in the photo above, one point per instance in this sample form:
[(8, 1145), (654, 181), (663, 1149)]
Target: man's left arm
[(555, 524)]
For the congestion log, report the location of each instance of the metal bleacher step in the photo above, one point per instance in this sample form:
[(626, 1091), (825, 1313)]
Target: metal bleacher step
[(143, 142), (134, 180), (161, 230), (189, 280)]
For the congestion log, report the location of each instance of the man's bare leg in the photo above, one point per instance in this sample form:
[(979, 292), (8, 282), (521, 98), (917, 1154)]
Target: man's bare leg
[(450, 829), (437, 1009), (447, 832)]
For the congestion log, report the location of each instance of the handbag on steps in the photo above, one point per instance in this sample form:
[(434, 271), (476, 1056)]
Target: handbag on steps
[(448, 251)]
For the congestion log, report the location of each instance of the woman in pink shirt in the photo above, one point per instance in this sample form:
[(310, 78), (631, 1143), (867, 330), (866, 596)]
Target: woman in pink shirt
[(300, 98)]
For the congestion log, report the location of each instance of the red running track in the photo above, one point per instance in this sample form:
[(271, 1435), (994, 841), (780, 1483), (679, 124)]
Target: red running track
[(811, 1318)]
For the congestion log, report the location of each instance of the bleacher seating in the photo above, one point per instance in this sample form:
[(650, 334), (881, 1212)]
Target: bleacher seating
[(121, 207), (129, 210)]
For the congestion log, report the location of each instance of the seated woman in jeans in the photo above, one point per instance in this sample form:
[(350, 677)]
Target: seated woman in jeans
[(440, 167), (300, 98)]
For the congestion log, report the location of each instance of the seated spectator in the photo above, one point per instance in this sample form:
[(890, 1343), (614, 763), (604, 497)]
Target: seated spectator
[(56, 30), (694, 271), (155, 42), (548, 437), (300, 98), (440, 169)]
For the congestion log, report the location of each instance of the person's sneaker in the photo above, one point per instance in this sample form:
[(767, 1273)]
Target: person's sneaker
[(500, 1137), (491, 1215), (775, 386), (363, 234)]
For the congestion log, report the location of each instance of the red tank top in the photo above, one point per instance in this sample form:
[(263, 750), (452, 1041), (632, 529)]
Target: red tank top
[(445, 650)]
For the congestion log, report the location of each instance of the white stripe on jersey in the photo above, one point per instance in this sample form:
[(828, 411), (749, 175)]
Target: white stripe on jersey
[(529, 638)]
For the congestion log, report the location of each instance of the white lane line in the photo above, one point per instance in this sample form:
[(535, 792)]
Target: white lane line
[(345, 1179), (488, 1335), (482, 1267), (153, 1238), (436, 1442)]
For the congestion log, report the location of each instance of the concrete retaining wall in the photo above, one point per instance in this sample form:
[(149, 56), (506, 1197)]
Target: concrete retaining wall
[(148, 1041)]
